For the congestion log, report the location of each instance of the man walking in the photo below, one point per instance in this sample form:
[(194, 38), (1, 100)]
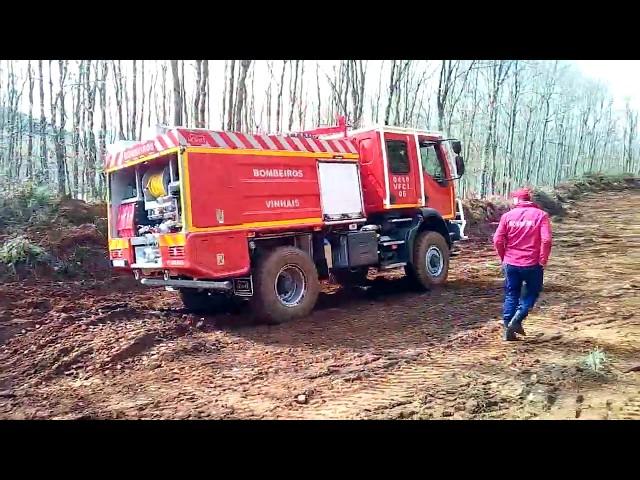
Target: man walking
[(523, 242)]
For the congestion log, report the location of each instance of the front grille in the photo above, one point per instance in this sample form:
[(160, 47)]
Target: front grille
[(176, 252), (116, 254)]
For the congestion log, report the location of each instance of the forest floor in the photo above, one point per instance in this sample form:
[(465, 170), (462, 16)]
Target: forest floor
[(109, 349)]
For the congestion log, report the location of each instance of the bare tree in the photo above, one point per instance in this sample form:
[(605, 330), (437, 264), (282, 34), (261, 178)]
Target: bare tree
[(30, 138), (117, 84), (139, 135), (293, 89), (91, 161), (177, 94), (77, 100), (319, 115), (103, 120), (242, 94), (498, 73), (302, 105), (200, 97), (183, 95), (230, 98), (196, 101), (132, 133), (163, 85), (398, 70), (224, 95), (631, 130), (358, 71), (268, 100), (204, 92), (59, 103), (279, 99), (44, 168), (150, 95)]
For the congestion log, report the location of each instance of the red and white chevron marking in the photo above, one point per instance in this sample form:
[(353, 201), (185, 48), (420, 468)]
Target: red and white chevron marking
[(228, 140)]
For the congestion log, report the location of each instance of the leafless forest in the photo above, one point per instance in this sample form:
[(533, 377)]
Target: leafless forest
[(536, 122)]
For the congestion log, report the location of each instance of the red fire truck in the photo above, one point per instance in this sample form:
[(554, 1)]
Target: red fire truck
[(221, 216)]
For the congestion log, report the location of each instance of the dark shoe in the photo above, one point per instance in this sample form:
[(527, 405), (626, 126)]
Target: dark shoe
[(516, 323), (517, 328), (509, 335)]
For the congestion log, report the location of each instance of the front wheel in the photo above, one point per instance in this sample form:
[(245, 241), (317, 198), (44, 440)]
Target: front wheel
[(285, 285), (430, 266)]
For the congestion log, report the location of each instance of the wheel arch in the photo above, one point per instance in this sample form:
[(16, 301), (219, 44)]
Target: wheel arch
[(427, 219)]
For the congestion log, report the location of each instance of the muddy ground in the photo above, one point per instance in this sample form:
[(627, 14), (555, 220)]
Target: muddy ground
[(105, 349)]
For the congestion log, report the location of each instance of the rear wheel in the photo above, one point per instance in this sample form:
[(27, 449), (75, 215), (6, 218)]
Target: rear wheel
[(430, 266), (285, 285), (203, 301)]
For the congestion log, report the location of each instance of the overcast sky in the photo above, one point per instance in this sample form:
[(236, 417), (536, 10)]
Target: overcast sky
[(621, 76)]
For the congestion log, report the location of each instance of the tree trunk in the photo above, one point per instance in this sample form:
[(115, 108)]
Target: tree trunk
[(103, 124), (279, 99), (204, 90), (133, 135), (319, 118), (30, 138), (242, 94), (196, 100), (185, 118), (139, 136), (91, 161), (230, 92), (164, 93), (60, 138), (117, 84), (44, 167), (293, 91), (76, 132), (177, 94), (151, 94)]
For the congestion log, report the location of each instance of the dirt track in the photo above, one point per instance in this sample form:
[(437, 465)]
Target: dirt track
[(99, 351)]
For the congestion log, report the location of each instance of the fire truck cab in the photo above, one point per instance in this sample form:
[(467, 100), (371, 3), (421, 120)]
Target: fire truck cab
[(222, 216)]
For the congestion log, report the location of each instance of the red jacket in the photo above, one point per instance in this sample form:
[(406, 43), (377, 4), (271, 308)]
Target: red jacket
[(523, 237)]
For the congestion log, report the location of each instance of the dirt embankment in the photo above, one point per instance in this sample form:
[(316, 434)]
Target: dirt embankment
[(43, 237), (109, 349)]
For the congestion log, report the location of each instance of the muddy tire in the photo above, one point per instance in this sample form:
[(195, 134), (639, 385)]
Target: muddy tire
[(285, 285), (430, 266), (351, 278), (203, 301)]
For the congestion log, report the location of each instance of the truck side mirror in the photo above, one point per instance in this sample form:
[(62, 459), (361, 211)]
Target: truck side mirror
[(459, 165), (456, 146)]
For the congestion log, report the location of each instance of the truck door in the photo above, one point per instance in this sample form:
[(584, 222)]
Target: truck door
[(438, 191), (402, 169)]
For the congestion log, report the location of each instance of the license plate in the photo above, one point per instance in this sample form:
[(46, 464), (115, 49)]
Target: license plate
[(118, 263)]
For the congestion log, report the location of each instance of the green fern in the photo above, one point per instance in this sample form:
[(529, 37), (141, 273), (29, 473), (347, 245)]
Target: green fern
[(595, 360), (18, 250)]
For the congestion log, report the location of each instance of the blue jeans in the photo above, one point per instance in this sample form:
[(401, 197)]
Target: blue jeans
[(514, 277)]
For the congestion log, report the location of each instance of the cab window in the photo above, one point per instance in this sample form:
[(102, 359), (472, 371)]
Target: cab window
[(432, 163)]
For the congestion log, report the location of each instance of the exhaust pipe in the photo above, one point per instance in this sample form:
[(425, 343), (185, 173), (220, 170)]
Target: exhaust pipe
[(154, 282)]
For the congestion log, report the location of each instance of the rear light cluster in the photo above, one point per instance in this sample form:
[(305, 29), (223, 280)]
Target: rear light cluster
[(116, 254), (176, 252)]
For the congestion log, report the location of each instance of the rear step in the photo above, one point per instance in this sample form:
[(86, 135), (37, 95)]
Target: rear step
[(392, 265)]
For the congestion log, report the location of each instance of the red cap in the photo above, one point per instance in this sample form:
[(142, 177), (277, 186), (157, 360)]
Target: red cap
[(522, 194)]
